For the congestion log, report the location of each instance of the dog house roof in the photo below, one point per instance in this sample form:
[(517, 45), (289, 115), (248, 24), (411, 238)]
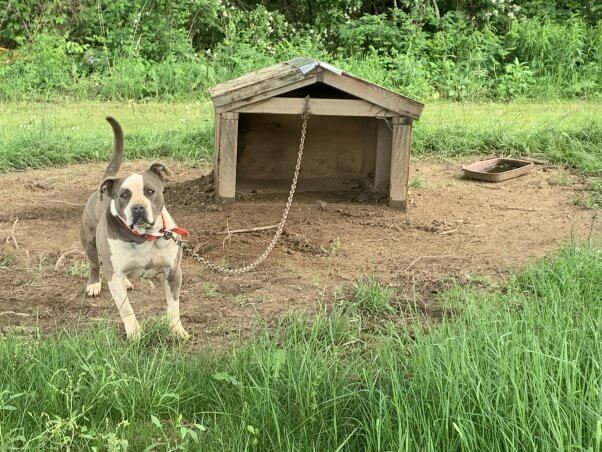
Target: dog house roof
[(300, 72)]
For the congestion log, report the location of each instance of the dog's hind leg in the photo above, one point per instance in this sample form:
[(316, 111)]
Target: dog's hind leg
[(173, 282), (93, 285)]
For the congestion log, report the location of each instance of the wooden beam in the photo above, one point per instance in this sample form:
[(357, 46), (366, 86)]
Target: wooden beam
[(216, 153), (226, 160), (255, 83), (400, 163), (270, 90), (374, 93), (328, 107), (382, 166)]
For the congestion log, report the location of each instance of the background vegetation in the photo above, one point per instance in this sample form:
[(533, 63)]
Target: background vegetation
[(41, 134), (454, 49)]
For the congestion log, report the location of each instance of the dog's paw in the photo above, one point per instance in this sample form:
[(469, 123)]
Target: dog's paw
[(128, 284), (93, 290), (180, 332)]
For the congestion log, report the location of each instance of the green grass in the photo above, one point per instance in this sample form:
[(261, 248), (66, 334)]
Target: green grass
[(592, 199), (519, 368), (41, 134), (418, 182)]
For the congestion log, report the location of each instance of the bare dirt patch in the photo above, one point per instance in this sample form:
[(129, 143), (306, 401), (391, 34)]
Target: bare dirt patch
[(455, 229)]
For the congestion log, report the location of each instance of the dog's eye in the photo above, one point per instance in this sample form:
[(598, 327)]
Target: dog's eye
[(124, 195), (149, 191)]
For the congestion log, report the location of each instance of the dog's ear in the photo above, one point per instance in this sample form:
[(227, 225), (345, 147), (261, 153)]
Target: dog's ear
[(106, 186), (160, 170)]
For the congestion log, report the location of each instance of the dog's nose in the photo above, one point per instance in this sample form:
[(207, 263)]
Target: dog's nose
[(138, 209)]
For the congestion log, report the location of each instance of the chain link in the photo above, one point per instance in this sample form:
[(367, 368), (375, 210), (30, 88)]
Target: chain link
[(247, 268)]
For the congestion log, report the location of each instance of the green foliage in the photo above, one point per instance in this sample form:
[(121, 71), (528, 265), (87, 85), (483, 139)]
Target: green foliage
[(371, 297), (141, 49), (592, 199), (511, 369)]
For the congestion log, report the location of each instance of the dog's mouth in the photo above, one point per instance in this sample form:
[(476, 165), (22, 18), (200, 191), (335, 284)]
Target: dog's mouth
[(141, 224)]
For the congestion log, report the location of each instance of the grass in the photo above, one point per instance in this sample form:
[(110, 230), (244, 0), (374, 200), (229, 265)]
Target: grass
[(517, 368), (592, 199), (418, 182), (41, 134)]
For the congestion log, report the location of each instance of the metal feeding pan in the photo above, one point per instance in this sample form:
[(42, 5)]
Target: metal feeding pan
[(497, 169)]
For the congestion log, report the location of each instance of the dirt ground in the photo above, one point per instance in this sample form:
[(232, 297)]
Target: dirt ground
[(455, 230)]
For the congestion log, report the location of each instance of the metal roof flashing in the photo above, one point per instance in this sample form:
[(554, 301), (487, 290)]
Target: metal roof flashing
[(306, 64)]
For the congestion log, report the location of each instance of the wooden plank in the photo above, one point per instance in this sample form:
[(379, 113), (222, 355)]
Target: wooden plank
[(249, 79), (216, 153), (382, 167), (400, 163), (228, 142), (266, 94), (327, 107), (262, 86), (374, 93)]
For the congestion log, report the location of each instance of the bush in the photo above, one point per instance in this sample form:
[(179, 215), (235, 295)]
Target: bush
[(140, 49)]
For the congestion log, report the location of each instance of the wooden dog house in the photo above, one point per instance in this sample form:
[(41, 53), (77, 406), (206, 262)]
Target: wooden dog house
[(357, 131)]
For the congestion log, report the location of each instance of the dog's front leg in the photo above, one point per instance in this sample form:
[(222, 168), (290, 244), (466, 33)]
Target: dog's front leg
[(173, 282), (118, 287)]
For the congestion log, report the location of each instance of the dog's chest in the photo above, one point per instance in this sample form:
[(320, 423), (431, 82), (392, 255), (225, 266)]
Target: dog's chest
[(144, 258)]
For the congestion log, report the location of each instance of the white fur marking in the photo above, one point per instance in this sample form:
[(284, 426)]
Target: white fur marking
[(93, 290), (113, 208), (135, 184), (127, 258), (126, 312)]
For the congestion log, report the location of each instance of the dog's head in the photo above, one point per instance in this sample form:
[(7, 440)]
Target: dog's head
[(137, 198)]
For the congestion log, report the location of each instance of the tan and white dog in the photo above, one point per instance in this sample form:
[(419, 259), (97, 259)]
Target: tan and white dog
[(122, 233)]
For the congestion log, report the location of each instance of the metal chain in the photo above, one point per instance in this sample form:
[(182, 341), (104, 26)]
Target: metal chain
[(247, 268)]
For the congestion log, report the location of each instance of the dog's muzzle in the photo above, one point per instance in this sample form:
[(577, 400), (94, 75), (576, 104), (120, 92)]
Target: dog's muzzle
[(139, 216)]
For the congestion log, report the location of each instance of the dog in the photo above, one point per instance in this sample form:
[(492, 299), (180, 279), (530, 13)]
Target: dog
[(122, 232)]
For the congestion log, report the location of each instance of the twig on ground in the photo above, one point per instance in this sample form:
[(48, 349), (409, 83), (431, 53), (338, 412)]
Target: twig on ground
[(18, 314), (238, 231), (517, 208), (433, 257), (63, 256), (12, 237), (451, 231), (51, 201)]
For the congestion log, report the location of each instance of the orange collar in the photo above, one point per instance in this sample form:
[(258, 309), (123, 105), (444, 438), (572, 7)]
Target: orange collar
[(152, 236)]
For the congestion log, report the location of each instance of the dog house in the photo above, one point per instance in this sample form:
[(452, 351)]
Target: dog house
[(357, 131)]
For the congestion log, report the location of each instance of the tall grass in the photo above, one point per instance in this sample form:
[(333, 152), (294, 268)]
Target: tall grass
[(515, 369)]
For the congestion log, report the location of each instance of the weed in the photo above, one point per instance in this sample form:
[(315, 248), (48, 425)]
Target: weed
[(593, 199), (211, 290), (334, 246), (418, 182), (371, 297), (6, 260), (81, 269), (561, 180)]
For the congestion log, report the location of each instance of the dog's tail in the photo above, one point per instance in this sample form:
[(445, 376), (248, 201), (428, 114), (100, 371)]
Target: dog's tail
[(115, 162)]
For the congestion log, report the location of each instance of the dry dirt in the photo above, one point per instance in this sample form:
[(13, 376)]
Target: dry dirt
[(454, 230)]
